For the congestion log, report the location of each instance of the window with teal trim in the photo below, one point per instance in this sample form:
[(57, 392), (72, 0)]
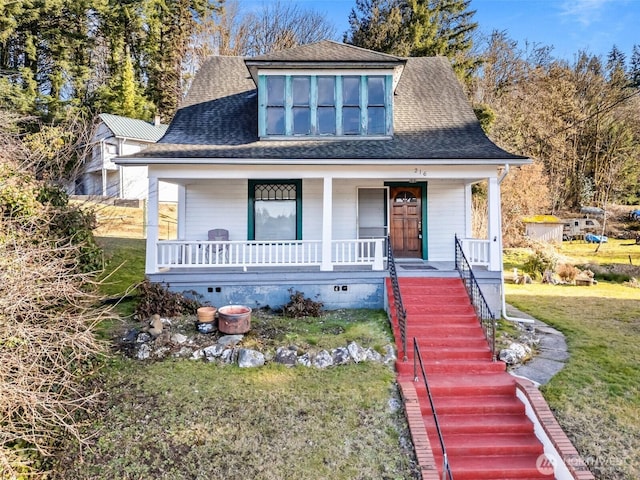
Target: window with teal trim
[(325, 105), (275, 210)]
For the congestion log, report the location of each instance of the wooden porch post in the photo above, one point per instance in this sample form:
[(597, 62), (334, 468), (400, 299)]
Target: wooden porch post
[(327, 224), (495, 223), (151, 263)]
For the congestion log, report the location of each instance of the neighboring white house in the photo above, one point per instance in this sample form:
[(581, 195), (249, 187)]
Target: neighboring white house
[(309, 158), (116, 135)]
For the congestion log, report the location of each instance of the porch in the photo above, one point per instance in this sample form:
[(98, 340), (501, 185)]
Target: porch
[(350, 254)]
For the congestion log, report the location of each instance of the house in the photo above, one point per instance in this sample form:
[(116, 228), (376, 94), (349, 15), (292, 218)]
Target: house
[(546, 228), (116, 135), (307, 159)]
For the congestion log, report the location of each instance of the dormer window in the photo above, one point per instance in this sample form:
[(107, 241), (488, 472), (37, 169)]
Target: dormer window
[(325, 105)]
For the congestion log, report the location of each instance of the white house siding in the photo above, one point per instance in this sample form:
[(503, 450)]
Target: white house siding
[(445, 218), (312, 209), (216, 204)]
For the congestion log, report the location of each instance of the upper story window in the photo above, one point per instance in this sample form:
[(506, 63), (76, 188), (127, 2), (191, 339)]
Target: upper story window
[(325, 105)]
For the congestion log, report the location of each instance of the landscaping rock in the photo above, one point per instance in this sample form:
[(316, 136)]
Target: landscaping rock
[(340, 356), (162, 352), (230, 340), (389, 354), (515, 353), (305, 360), (250, 358), (358, 354), (229, 355), (179, 338), (213, 351), (323, 359), (143, 337), (286, 355), (184, 352), (144, 351), (373, 356), (197, 354)]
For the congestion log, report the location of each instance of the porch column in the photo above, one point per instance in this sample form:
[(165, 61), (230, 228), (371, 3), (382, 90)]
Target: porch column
[(495, 224), (327, 224), (182, 212), (151, 263)]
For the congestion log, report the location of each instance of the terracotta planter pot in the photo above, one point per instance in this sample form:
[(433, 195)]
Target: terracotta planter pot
[(206, 314), (233, 319)]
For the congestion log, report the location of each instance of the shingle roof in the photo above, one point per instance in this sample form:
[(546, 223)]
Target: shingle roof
[(327, 51), (126, 127), (432, 118)]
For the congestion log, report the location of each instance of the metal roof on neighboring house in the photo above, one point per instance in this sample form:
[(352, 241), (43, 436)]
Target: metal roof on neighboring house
[(432, 118), (125, 127)]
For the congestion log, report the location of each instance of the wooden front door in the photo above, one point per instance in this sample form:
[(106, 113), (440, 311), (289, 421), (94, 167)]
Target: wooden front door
[(406, 222)]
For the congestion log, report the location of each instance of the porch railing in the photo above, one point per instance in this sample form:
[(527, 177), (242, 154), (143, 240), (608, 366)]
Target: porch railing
[(417, 361), (485, 316), (203, 253), (401, 313), (476, 251)]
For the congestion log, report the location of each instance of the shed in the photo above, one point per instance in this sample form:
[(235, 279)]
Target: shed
[(546, 228)]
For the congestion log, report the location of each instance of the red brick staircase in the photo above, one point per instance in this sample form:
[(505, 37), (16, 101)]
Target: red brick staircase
[(485, 430)]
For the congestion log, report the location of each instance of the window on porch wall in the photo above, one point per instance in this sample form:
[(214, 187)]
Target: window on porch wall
[(275, 210)]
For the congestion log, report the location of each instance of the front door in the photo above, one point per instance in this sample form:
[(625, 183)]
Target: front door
[(406, 221)]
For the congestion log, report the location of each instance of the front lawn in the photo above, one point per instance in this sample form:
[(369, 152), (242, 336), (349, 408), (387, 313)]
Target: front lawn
[(596, 397)]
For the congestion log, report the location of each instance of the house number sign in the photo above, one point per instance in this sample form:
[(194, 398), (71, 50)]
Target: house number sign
[(420, 172)]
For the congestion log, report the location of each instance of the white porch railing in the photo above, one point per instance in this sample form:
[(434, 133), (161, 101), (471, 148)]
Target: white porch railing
[(476, 251), (202, 253)]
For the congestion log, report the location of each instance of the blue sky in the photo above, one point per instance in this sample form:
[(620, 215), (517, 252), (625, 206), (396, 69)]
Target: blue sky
[(567, 25)]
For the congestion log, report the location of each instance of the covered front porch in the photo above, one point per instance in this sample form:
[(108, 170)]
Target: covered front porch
[(323, 223)]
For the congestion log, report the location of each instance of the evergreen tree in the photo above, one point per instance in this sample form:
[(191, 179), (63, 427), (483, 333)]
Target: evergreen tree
[(416, 28), (634, 66)]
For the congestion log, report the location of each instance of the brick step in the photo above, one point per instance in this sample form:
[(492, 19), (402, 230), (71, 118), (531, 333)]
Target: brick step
[(440, 336), (430, 281), (476, 405), (429, 309), (467, 352), (495, 467), (429, 319), (451, 366), (435, 299), (492, 423), (476, 444), (468, 384)]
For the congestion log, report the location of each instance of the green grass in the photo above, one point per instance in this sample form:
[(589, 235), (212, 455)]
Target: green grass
[(596, 397), (180, 419), (185, 420)]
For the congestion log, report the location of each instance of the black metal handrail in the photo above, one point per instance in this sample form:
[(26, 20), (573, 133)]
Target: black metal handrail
[(417, 359), (485, 316), (401, 313)]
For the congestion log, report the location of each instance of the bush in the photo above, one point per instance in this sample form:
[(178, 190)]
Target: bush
[(156, 298), (539, 262), (299, 306)]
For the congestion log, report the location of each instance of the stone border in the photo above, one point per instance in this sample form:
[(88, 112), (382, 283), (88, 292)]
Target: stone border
[(419, 436), (568, 454)]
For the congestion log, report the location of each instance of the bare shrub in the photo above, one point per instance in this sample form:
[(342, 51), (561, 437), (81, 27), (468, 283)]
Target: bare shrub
[(567, 272), (47, 313)]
